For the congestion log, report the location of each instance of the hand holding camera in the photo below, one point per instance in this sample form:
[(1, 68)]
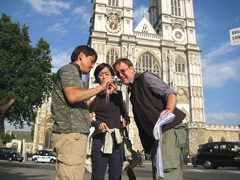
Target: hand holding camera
[(118, 81)]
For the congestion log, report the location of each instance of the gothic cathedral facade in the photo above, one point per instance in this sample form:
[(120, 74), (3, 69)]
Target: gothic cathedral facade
[(164, 44)]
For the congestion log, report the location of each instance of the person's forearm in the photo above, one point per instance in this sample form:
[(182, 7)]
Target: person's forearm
[(5, 107), (75, 95), (100, 125), (92, 105), (171, 102)]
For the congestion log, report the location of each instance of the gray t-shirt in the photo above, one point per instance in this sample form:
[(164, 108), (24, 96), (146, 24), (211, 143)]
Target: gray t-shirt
[(69, 118), (156, 84)]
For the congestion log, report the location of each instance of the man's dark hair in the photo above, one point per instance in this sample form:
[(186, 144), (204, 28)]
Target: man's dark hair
[(88, 51), (99, 68), (124, 60)]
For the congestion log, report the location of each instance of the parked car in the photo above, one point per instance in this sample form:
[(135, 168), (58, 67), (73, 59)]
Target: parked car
[(10, 154), (218, 154), (45, 156)]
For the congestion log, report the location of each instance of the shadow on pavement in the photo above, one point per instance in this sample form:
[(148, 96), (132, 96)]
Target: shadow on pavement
[(23, 171)]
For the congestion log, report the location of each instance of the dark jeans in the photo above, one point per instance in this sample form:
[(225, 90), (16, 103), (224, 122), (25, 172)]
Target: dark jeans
[(131, 174), (100, 160)]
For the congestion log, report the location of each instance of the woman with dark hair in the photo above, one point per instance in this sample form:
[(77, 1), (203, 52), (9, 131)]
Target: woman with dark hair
[(107, 143)]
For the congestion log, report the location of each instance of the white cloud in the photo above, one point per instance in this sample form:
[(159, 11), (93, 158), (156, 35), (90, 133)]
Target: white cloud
[(66, 20), (81, 17), (224, 118), (60, 59), (202, 19), (58, 28), (200, 37), (81, 12), (48, 7), (225, 48), (138, 14), (215, 74)]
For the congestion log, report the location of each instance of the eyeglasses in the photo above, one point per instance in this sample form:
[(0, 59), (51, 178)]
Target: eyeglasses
[(121, 71)]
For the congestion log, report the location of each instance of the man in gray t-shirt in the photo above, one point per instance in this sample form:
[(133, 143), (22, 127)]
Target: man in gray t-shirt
[(71, 114)]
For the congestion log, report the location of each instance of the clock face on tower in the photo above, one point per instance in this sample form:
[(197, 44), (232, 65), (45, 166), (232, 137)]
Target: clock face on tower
[(178, 35), (113, 22), (113, 26)]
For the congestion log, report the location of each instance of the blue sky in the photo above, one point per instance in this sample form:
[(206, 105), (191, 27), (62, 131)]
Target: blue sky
[(65, 24)]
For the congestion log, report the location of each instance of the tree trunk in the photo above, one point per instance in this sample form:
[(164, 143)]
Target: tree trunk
[(2, 127)]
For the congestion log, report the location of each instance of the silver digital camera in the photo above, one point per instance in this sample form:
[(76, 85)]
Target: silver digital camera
[(118, 81)]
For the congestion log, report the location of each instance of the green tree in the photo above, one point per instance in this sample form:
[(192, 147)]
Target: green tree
[(25, 73), (6, 138)]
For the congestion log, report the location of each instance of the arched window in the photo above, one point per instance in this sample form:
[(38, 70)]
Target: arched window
[(183, 67), (179, 68), (175, 7), (147, 62), (113, 2), (210, 139), (180, 65), (222, 139), (112, 56), (48, 144), (50, 121), (145, 29)]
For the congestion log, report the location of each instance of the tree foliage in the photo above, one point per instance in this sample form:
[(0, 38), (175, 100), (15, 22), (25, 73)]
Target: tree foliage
[(6, 138), (25, 72)]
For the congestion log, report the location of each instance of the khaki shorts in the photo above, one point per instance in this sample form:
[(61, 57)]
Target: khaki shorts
[(71, 154)]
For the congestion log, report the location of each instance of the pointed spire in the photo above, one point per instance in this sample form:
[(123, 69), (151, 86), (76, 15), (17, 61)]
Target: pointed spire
[(144, 13)]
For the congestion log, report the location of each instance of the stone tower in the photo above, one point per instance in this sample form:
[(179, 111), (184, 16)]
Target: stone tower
[(174, 20), (111, 33)]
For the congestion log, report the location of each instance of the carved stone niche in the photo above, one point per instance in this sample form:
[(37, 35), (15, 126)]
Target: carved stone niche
[(182, 96), (177, 24)]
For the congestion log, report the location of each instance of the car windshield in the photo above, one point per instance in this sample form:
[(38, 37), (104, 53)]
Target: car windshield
[(232, 147), (39, 153), (8, 150), (52, 153), (207, 148)]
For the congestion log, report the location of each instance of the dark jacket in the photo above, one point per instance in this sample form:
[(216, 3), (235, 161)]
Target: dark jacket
[(146, 109)]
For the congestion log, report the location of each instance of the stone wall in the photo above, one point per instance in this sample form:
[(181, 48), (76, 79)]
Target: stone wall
[(203, 133)]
